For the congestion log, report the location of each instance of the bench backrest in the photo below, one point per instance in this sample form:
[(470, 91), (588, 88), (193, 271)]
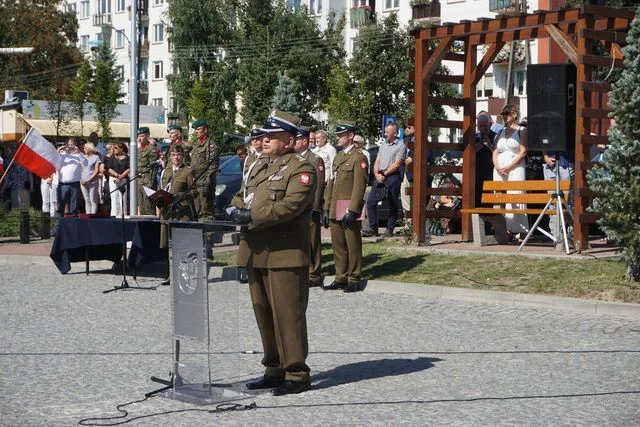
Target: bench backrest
[(534, 192)]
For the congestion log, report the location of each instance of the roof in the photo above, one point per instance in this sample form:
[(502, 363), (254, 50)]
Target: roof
[(118, 129)]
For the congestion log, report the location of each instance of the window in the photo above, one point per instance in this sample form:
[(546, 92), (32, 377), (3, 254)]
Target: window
[(158, 2), (485, 86), (156, 102), (120, 71), (104, 6), (157, 70), (119, 39), (519, 83), (392, 4), (319, 9), (84, 9), (293, 5), (158, 33), (84, 43), (71, 8), (120, 6)]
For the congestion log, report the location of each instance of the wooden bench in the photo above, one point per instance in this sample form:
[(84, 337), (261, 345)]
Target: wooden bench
[(535, 194)]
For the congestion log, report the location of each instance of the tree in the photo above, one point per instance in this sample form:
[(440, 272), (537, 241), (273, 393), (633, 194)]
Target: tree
[(617, 185), (53, 34), (106, 88), (379, 70), (287, 95), (81, 92), (339, 104)]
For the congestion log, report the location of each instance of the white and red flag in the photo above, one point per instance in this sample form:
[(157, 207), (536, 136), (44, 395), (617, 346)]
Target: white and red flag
[(38, 155), (1, 165)]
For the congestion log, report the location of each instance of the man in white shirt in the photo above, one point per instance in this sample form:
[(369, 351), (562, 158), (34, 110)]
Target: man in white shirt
[(69, 176), (325, 151)]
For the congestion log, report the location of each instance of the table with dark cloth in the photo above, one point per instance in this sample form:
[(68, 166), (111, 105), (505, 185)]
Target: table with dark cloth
[(84, 239)]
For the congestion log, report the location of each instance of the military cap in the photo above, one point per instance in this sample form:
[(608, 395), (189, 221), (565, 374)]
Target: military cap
[(279, 121), (174, 127), (198, 123), (346, 126), (143, 129), (303, 132), (177, 149), (256, 133)]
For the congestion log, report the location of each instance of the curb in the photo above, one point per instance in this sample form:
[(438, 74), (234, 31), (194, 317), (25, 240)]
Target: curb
[(513, 299)]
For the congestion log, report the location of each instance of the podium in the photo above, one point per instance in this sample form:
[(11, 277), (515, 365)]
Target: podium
[(204, 317)]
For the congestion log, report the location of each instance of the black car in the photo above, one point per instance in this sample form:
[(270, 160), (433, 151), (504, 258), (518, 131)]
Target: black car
[(227, 184)]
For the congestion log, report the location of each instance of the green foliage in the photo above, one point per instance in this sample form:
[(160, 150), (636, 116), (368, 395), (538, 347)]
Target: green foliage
[(286, 96), (81, 92), (106, 88), (10, 221), (340, 103), (53, 34), (618, 183)]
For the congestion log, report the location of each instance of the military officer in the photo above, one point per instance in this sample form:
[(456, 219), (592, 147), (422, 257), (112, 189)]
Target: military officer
[(274, 248), (204, 162), (255, 151), (177, 179), (302, 147), (147, 157), (175, 135), (344, 201)]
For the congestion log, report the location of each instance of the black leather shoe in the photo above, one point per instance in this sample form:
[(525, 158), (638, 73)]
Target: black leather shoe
[(316, 283), (265, 382), (369, 232), (166, 282), (334, 286), (291, 387), (352, 287)]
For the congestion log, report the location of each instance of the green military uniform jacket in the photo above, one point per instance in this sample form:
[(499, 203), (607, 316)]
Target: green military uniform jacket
[(180, 185), (147, 156), (282, 192), (318, 164), (349, 181), (204, 162), (187, 158)]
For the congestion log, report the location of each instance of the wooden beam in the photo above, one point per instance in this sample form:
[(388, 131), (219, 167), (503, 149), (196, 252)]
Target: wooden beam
[(445, 169), (605, 35), (459, 102), (421, 151), (436, 56), (601, 61), (595, 113), (608, 12), (564, 41), (594, 139), (600, 87), (486, 61)]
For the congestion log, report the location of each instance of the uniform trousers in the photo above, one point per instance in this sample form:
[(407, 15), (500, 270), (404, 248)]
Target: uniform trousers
[(280, 298), (204, 202), (144, 204), (315, 265), (346, 241)]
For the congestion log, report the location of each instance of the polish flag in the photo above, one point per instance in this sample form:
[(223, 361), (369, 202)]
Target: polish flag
[(1, 165), (38, 155)]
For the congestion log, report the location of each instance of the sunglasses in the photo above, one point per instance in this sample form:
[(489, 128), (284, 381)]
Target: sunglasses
[(505, 113)]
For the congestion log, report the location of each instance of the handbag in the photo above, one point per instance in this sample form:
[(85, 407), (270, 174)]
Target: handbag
[(379, 194)]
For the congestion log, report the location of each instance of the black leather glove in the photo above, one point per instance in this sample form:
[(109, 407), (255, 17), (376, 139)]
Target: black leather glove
[(240, 216), (315, 216), (349, 217), (324, 219)]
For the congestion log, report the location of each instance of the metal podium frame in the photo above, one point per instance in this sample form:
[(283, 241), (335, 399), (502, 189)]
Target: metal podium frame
[(189, 244)]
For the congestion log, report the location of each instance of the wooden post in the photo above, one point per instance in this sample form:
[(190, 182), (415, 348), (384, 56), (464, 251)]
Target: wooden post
[(469, 136), (420, 149)]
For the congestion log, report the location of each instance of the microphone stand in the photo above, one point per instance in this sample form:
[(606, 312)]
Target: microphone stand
[(124, 285)]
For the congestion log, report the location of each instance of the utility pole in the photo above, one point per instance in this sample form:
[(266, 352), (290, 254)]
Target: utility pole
[(133, 104)]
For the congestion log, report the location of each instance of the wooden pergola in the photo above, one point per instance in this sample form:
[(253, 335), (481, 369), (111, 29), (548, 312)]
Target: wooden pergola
[(574, 30)]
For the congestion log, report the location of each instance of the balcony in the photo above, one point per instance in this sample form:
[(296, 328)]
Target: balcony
[(143, 86), (102, 19), (361, 16), (425, 12), (144, 49), (505, 7)]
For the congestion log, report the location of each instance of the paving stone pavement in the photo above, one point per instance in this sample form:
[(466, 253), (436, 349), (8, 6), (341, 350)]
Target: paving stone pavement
[(70, 352)]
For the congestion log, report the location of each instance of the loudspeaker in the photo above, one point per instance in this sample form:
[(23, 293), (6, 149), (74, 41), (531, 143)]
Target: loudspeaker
[(551, 107)]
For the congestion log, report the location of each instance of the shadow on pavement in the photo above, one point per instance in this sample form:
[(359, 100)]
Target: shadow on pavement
[(371, 369)]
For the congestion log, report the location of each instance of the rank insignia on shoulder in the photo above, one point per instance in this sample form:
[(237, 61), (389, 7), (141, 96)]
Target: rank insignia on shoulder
[(300, 157), (305, 178), (363, 165)]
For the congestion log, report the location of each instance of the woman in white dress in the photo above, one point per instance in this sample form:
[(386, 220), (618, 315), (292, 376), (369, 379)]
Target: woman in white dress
[(509, 163)]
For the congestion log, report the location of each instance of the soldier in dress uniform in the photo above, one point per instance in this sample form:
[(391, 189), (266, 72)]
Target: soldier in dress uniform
[(175, 135), (275, 212), (302, 147), (204, 162), (147, 157), (344, 201), (178, 179)]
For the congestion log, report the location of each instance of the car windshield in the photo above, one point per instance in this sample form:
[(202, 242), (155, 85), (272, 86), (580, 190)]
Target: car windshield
[(231, 166)]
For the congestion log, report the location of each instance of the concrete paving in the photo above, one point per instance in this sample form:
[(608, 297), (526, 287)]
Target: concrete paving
[(377, 358)]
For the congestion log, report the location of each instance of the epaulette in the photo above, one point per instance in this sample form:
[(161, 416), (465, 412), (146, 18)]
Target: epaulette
[(300, 157)]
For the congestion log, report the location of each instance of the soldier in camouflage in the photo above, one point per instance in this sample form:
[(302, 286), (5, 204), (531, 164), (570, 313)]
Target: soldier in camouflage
[(204, 162)]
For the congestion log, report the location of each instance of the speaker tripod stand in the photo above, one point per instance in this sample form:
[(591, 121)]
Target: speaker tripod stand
[(556, 198)]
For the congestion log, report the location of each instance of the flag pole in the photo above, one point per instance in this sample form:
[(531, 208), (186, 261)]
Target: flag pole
[(11, 162)]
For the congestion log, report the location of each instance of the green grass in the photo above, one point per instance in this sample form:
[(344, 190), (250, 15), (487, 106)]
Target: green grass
[(392, 261)]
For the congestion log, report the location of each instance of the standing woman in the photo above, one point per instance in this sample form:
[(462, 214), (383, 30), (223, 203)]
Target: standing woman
[(90, 182), (118, 168), (509, 164)]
